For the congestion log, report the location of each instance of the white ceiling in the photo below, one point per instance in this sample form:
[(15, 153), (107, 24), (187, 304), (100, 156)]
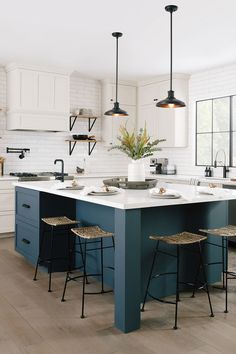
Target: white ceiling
[(76, 34)]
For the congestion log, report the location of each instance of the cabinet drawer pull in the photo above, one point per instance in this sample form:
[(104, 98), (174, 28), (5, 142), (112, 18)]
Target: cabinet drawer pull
[(25, 241), (27, 206), (155, 99)]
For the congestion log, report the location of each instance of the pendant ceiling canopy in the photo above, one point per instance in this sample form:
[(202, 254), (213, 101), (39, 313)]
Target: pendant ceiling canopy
[(170, 101), (116, 110)]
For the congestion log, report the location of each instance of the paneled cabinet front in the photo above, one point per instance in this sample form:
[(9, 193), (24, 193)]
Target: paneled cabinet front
[(7, 207), (31, 207), (127, 99), (163, 123), (37, 99)]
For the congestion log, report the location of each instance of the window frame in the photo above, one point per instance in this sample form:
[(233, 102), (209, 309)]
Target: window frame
[(230, 131)]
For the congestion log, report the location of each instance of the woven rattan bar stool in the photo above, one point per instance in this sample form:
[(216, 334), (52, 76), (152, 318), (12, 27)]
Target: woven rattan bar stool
[(180, 241), (61, 223), (223, 232), (92, 240)]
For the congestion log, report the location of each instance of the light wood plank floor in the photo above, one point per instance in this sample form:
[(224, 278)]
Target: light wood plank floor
[(32, 321)]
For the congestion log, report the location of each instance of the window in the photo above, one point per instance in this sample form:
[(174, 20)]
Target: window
[(216, 130)]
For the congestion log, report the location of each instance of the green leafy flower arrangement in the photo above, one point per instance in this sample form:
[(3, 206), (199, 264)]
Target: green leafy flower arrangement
[(136, 146)]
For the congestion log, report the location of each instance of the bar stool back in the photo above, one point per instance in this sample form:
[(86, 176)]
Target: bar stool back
[(91, 235), (179, 241), (55, 223), (223, 232)]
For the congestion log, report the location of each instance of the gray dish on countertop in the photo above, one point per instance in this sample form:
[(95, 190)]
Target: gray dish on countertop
[(122, 182)]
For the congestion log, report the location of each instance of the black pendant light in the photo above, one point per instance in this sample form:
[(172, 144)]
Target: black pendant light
[(170, 101), (116, 110)]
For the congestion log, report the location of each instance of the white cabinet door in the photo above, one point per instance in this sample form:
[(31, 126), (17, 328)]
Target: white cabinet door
[(28, 89), (148, 116), (128, 121), (127, 100), (164, 123), (46, 91), (148, 94), (7, 207), (126, 94)]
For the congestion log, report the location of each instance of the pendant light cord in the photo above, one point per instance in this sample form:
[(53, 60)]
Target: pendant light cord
[(116, 69), (171, 54)]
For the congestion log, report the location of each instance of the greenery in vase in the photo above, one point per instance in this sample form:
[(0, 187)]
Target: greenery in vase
[(136, 146)]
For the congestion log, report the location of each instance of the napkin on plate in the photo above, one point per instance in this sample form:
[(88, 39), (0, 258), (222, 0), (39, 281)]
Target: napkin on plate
[(97, 189), (168, 193)]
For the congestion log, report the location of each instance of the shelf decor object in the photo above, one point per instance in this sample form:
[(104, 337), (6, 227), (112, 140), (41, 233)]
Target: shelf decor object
[(170, 101), (116, 111), (137, 147)]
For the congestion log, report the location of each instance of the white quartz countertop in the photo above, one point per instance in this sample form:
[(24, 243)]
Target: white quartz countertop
[(8, 178), (131, 199)]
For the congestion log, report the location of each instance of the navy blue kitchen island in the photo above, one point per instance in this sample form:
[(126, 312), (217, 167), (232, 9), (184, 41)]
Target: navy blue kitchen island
[(133, 216)]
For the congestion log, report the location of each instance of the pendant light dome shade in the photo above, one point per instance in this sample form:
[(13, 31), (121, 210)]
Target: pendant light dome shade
[(170, 101), (116, 110)]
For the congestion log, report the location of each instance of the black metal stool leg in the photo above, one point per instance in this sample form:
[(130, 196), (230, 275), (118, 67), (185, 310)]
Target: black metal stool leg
[(69, 266), (50, 262), (82, 257), (226, 274), (40, 254), (205, 278), (150, 275), (177, 290), (84, 279)]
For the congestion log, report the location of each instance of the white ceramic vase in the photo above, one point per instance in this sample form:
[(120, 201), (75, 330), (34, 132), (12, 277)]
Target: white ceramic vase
[(136, 171)]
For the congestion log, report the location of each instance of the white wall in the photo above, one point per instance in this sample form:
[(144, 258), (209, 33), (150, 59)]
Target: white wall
[(45, 147), (206, 84)]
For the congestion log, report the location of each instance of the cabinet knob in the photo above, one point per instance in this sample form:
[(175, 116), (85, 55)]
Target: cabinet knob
[(26, 206), (155, 99), (24, 240), (111, 99)]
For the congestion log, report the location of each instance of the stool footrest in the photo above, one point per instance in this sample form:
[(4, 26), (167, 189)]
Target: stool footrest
[(161, 300)]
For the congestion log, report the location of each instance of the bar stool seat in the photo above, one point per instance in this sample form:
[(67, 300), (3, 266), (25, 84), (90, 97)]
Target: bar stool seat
[(59, 221), (183, 238), (55, 223), (91, 232), (180, 241), (91, 236), (224, 232)]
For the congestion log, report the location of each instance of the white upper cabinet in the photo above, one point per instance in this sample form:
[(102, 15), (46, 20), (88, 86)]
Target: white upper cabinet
[(37, 99), (148, 94), (164, 123), (127, 98)]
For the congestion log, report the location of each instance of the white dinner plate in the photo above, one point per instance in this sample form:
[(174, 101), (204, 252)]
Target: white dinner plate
[(104, 193), (165, 196)]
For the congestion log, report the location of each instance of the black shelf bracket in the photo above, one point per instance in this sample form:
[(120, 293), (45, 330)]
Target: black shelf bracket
[(90, 125), (71, 147), (90, 148), (72, 121), (91, 122)]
